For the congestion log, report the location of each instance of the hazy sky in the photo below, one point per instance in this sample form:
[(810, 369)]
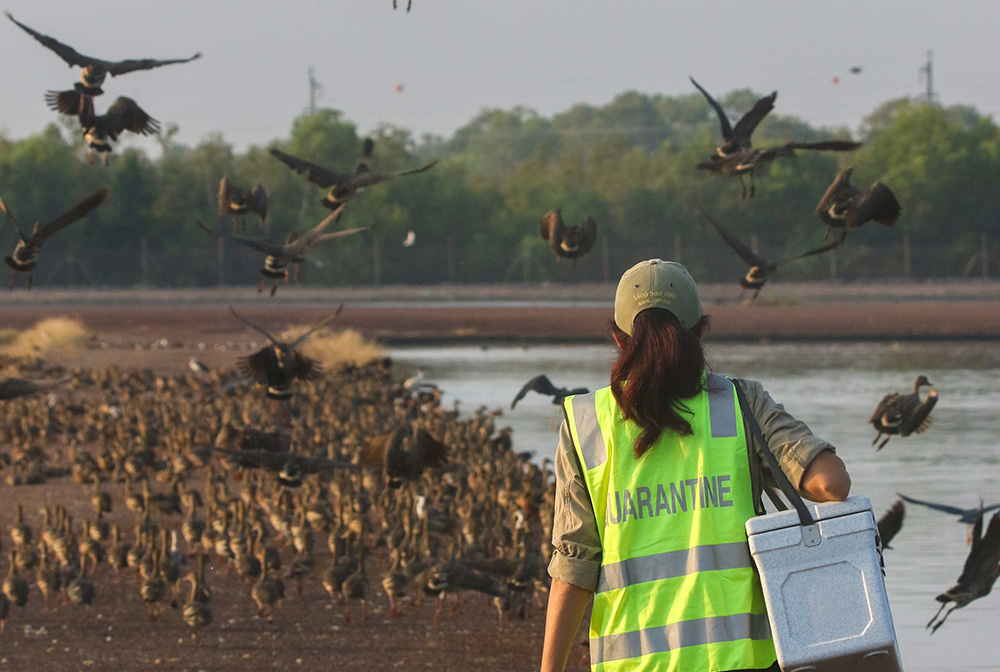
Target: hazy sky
[(455, 57)]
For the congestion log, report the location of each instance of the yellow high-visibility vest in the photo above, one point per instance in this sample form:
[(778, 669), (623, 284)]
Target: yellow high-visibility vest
[(678, 590)]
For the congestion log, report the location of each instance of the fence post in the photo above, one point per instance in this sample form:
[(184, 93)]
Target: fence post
[(984, 240), (605, 259), (833, 264), (450, 252), (907, 262), (220, 259), (376, 259), (144, 260)]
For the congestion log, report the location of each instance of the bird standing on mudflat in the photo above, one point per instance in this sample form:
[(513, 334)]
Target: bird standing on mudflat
[(571, 242), (903, 414), (760, 268), (100, 130), (24, 258), (94, 70), (982, 567), (844, 206)]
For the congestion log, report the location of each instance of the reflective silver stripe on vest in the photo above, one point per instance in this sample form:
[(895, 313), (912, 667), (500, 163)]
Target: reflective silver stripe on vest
[(588, 431), (712, 630), (721, 406), (735, 555)]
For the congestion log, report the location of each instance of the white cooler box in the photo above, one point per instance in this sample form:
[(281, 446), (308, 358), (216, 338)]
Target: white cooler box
[(825, 595)]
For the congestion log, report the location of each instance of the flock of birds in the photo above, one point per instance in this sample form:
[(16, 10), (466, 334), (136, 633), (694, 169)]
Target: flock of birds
[(381, 469)]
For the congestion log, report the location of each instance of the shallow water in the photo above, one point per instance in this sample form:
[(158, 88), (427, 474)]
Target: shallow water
[(834, 388)]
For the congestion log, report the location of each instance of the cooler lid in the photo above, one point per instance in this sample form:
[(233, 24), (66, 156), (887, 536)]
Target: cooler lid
[(827, 510)]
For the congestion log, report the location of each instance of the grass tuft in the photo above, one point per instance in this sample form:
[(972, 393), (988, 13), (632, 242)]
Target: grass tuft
[(51, 334), (333, 348)]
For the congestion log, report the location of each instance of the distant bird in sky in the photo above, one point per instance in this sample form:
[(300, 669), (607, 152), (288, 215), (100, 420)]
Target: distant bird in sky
[(94, 70), (904, 414), (280, 255), (24, 258), (890, 523), (12, 388), (234, 200), (980, 572), (279, 363), (746, 161), (737, 138), (342, 187), (542, 385), (570, 242), (760, 268), (844, 206), (856, 70), (100, 130)]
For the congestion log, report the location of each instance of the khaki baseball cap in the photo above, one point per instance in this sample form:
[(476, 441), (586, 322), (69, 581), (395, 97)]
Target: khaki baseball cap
[(657, 284)]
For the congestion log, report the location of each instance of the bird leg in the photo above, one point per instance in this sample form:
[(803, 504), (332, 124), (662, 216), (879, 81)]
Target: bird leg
[(743, 188), (875, 440), (260, 285), (943, 618), (10, 285), (274, 288), (753, 185), (885, 441), (940, 609), (90, 156), (104, 158), (31, 278), (437, 610)]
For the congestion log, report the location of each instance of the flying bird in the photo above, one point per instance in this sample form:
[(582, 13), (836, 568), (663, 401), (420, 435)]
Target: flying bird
[(844, 206), (760, 268), (982, 567), (234, 200), (100, 130), (890, 523), (411, 238), (279, 363), (967, 516), (856, 70), (278, 256), (903, 414), (746, 161), (342, 187), (737, 138), (94, 70), (24, 258), (290, 468), (404, 455), (571, 242), (543, 385), (12, 388)]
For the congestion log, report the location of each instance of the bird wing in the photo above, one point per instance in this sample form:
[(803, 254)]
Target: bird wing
[(937, 507), (748, 122), (916, 416), (251, 459), (126, 115), (727, 130), (306, 368), (335, 234), (316, 326), (318, 175), (984, 556), (71, 102), (826, 145), (78, 211), (13, 388), (63, 51), (552, 228), (818, 250), (315, 465), (587, 235), (311, 237), (376, 448), (254, 366), (13, 221), (428, 450), (540, 384), (365, 178), (744, 252), (258, 201), (877, 204), (252, 325), (832, 194), (260, 244), (890, 523), (131, 65), (887, 411)]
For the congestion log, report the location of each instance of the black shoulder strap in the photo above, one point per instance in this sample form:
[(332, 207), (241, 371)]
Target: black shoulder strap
[(779, 476)]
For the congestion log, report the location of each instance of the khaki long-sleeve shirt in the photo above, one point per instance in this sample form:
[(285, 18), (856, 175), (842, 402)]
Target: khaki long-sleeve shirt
[(576, 557)]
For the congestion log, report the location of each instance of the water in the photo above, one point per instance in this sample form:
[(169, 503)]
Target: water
[(834, 388)]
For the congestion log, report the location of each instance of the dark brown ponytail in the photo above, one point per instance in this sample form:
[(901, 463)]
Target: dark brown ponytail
[(662, 364)]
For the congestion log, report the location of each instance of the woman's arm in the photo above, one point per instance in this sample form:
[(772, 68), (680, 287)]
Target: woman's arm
[(826, 478), (567, 604)]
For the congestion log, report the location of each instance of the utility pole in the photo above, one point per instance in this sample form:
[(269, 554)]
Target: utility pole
[(927, 72), (314, 88)]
